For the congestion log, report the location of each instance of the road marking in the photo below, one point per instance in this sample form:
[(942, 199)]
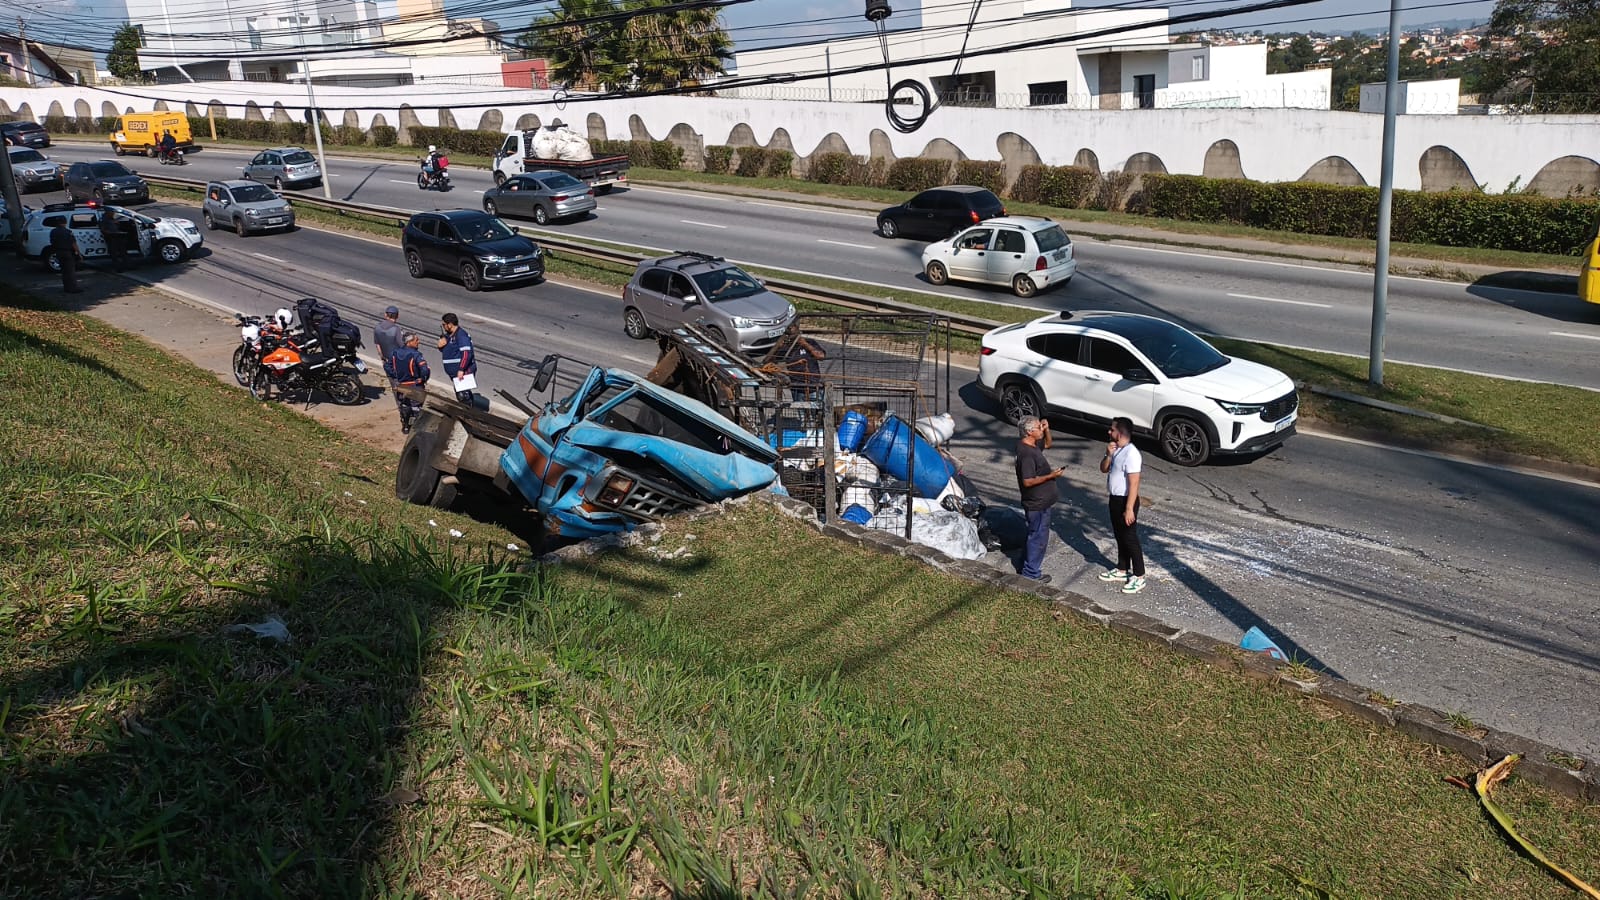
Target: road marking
[(846, 244), (477, 192), (269, 258), (502, 324), (1581, 337), (1278, 300), (712, 195), (402, 181), (370, 287), (701, 224)]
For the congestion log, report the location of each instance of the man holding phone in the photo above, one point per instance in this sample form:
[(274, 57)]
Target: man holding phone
[(1036, 481), (1123, 467)]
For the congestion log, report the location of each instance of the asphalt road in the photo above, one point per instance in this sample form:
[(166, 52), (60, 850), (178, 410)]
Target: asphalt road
[(1468, 588), (1499, 331)]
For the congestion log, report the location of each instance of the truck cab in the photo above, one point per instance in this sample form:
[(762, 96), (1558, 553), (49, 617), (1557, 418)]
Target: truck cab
[(617, 452)]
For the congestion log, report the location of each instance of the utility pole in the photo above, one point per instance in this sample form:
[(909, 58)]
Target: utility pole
[(27, 61), (1380, 275), (312, 118)]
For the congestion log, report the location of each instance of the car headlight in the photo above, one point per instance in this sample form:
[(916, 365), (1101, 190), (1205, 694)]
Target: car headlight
[(742, 322), (110, 185), (615, 491), (492, 260), (1240, 409), (252, 213)]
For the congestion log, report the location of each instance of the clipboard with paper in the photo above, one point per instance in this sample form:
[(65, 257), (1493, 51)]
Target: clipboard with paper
[(466, 382)]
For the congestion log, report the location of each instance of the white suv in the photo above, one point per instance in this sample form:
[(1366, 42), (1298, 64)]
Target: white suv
[(1024, 253), (1169, 382)]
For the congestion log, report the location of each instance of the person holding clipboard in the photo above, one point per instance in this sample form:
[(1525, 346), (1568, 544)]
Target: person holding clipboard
[(460, 362)]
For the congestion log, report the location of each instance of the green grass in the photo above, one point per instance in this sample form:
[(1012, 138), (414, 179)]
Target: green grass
[(1541, 420), (723, 720)]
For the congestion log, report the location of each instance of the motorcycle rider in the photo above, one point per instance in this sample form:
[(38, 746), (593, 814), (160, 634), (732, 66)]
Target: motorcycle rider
[(431, 163), (409, 371), (169, 144)]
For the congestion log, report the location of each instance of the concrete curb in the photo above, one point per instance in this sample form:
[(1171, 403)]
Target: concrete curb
[(1541, 763)]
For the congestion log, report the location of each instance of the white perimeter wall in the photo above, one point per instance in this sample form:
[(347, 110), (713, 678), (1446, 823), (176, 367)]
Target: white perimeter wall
[(1274, 144)]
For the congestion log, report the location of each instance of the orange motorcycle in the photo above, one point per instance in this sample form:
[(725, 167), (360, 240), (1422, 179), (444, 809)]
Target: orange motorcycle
[(284, 370)]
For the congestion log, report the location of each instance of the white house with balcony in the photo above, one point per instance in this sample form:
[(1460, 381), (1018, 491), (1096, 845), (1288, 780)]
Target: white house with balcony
[(246, 40), (1105, 59)]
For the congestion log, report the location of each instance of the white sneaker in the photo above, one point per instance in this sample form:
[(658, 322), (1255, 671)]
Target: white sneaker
[(1113, 575), (1135, 585)]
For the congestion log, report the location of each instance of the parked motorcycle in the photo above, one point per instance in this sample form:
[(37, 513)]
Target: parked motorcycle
[(173, 157), (438, 179), (286, 370)]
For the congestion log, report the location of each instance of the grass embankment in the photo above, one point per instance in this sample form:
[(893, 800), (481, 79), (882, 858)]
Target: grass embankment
[(716, 714)]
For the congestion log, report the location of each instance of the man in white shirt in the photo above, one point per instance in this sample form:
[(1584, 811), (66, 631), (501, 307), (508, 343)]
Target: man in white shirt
[(1122, 466)]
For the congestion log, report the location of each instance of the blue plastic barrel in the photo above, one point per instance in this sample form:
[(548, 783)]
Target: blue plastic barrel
[(856, 513), (891, 444), (852, 431)]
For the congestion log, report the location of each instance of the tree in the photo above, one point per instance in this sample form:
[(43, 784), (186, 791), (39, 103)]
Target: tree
[(1296, 57), (1546, 52), (123, 59), (628, 44)]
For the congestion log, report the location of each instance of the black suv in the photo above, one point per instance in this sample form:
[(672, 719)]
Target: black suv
[(475, 247), (27, 134), (105, 181), (940, 212)]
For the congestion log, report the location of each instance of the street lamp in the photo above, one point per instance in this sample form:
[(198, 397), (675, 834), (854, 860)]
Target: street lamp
[(312, 119)]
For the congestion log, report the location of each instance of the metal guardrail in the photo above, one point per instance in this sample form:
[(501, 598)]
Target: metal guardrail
[(959, 324)]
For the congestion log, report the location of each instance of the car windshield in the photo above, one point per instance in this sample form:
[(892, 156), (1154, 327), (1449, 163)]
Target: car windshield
[(24, 156), (481, 229), (253, 193), (1173, 350), (1052, 238), (298, 158), (108, 170), (560, 181), (731, 283)]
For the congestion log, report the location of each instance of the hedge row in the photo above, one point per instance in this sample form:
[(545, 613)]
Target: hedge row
[(650, 154), (1448, 218), (749, 162), (73, 125), (458, 140)]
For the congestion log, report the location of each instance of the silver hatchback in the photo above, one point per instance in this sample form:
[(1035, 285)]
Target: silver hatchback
[(686, 288), (284, 167), (542, 196), (245, 206)]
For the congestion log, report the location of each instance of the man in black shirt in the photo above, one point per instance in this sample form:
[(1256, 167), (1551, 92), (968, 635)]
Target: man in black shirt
[(1036, 481), (115, 238)]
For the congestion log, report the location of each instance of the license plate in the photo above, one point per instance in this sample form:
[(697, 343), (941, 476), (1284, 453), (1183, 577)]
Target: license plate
[(130, 191), (1059, 255), (361, 367), (520, 269), (277, 221), (775, 332), (1283, 423)]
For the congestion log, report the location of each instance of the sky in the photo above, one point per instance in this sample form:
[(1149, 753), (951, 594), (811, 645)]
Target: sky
[(761, 22)]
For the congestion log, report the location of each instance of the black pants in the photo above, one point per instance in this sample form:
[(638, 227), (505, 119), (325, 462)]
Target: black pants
[(1130, 556), (69, 272)]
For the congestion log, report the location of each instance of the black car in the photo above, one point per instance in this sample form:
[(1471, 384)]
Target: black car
[(940, 212), (475, 247), (26, 134), (105, 181)]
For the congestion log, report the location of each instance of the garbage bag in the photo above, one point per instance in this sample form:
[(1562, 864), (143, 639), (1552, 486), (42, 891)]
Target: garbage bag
[(949, 532)]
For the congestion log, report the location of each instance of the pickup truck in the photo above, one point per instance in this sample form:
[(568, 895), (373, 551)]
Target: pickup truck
[(616, 452), (516, 156)]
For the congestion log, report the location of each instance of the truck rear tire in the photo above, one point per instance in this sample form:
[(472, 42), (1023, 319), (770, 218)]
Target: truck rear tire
[(415, 478), (499, 178)]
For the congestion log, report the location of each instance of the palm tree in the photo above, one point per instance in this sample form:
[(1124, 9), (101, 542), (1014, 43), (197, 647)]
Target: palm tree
[(581, 53), (675, 48)]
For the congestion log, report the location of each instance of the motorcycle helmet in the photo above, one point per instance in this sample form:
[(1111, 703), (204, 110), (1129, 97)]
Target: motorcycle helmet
[(432, 148), (283, 317)]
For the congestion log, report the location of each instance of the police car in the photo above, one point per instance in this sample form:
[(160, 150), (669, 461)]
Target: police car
[(167, 239)]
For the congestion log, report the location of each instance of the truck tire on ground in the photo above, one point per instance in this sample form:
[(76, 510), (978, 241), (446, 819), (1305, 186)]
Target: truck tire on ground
[(415, 478)]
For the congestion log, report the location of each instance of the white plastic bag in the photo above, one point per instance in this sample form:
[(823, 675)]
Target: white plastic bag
[(949, 532)]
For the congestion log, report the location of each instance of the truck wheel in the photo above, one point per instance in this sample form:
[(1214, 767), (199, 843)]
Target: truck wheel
[(118, 150), (415, 478), (499, 178)]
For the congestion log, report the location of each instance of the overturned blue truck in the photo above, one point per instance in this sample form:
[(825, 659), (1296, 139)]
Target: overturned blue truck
[(610, 449)]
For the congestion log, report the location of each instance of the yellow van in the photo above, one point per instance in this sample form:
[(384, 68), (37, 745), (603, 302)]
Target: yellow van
[(1589, 273), (141, 132)]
